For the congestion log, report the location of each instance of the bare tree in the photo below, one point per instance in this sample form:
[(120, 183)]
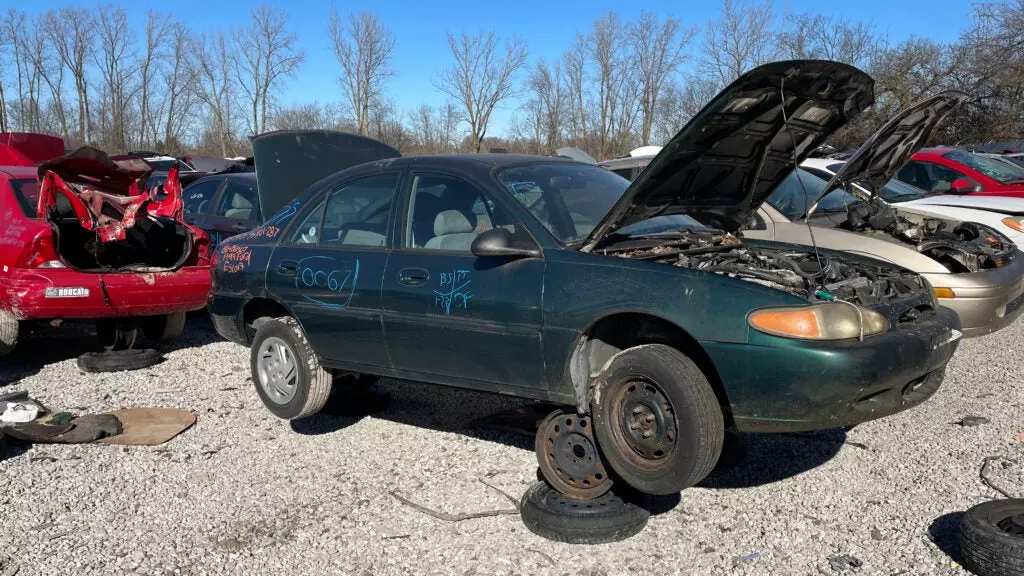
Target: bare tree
[(305, 117), (546, 87), (678, 104), (50, 68), (617, 82), (386, 125), (71, 33), (363, 47), (658, 53), (115, 59), (481, 77), (14, 30), (741, 38), (178, 77), (158, 31), (575, 61), (213, 86), (267, 52), (812, 35)]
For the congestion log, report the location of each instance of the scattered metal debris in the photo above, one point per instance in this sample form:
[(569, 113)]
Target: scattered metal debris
[(983, 474), (844, 562), (968, 421)]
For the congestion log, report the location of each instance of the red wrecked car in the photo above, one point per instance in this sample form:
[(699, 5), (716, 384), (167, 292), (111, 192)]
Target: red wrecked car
[(81, 238)]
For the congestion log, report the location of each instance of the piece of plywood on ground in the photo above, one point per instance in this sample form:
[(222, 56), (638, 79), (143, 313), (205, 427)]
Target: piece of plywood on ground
[(150, 426)]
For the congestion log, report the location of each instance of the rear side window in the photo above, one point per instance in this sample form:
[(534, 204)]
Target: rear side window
[(238, 201), (198, 197), (26, 192)]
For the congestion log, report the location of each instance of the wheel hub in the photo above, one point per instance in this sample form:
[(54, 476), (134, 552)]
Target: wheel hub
[(647, 421), (277, 370), (568, 456), (1013, 525)]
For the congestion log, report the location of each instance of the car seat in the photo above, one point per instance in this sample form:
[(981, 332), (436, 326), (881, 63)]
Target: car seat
[(453, 230), (241, 208)]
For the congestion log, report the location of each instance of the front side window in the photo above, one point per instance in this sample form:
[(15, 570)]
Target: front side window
[(568, 199), (930, 176), (357, 213), (308, 232), (448, 213), (1001, 172), (198, 197)]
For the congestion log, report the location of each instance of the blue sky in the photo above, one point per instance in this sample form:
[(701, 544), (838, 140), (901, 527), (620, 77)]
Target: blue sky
[(548, 26)]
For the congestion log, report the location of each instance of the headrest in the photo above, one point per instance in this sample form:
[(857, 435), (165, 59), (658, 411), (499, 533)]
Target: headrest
[(239, 201), (454, 222)]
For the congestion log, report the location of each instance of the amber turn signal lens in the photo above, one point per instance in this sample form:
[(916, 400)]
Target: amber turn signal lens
[(941, 292), (1014, 222), (793, 323)]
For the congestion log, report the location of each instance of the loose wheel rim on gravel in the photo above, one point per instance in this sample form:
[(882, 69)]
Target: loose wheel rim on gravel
[(643, 421), (568, 456), (277, 370)]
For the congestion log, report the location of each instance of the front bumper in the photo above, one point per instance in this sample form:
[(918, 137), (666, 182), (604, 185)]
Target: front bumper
[(985, 301), (782, 385)]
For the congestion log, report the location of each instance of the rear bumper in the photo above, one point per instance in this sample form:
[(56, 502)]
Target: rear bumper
[(780, 385), (24, 293), (985, 301)]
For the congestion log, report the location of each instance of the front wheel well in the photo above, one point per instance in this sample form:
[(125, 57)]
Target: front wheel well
[(260, 308), (613, 334)]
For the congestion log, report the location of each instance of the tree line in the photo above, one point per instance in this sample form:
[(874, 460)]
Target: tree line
[(93, 76)]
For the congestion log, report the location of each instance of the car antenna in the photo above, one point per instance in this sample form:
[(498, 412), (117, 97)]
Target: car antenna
[(820, 292)]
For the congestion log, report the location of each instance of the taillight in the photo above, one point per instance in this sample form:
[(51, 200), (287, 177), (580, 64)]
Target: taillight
[(40, 253)]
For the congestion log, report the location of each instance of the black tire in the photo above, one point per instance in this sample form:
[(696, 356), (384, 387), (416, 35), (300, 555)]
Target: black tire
[(9, 328), (685, 454), (118, 360), (992, 540), (312, 383), (164, 327), (115, 334), (608, 518)]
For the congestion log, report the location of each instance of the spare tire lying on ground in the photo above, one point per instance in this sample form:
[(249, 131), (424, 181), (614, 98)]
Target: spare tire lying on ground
[(119, 360), (607, 518), (992, 538)]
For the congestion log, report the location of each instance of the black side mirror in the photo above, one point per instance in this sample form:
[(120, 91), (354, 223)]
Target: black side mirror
[(500, 243)]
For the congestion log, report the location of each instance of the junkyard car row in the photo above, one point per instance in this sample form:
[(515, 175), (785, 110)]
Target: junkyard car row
[(728, 283)]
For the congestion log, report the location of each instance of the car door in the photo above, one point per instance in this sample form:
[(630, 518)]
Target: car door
[(236, 209), (329, 268), (448, 315), (197, 202), (931, 176)]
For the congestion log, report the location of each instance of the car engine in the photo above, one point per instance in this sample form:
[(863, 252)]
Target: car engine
[(959, 246), (821, 277)]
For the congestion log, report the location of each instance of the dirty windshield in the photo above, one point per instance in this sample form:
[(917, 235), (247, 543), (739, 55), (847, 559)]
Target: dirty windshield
[(999, 171), (793, 196)]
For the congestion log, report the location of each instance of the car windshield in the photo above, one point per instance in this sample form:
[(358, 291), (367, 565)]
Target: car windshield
[(1001, 172), (568, 198), (794, 196), (26, 192)]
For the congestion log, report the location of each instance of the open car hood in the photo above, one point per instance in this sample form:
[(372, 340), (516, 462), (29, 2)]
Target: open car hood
[(877, 160), (38, 147), (723, 164), (289, 161)]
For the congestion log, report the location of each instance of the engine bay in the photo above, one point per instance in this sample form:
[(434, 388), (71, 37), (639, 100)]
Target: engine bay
[(959, 246), (813, 277)]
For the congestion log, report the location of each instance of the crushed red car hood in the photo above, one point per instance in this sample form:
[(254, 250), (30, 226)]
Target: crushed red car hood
[(113, 174)]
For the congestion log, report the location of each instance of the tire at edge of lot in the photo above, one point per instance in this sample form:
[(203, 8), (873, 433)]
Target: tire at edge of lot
[(699, 419), (314, 382), (617, 521), (987, 550), (118, 360)]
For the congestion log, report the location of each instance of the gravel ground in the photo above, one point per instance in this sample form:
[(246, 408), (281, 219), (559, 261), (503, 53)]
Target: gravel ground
[(245, 493)]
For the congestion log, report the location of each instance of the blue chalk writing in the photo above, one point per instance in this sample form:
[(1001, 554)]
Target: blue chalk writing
[(285, 214), (454, 289), (319, 273)]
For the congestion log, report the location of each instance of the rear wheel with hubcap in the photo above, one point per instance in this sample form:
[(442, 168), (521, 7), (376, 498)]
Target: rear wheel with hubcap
[(657, 419), (289, 379)]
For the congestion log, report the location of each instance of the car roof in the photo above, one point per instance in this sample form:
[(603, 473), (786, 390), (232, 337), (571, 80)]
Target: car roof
[(20, 171), (820, 163), (246, 177), (476, 160), (938, 150)]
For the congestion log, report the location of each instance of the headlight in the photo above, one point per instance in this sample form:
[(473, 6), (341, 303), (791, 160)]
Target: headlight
[(1014, 222), (829, 321)]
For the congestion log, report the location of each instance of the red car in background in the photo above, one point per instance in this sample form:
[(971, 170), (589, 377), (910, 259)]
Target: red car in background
[(91, 243), (953, 171)]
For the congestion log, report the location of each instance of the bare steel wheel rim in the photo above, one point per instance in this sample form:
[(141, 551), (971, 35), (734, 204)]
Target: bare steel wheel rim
[(645, 422), (568, 456), (277, 370)]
